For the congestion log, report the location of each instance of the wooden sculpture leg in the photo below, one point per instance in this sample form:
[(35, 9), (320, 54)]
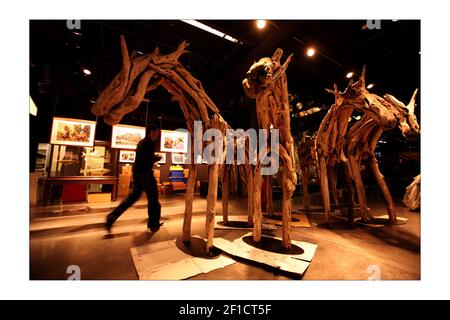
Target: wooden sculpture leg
[(324, 188), (333, 177), (257, 213), (250, 183), (269, 182), (384, 190), (359, 184), (225, 192), (189, 202), (348, 195), (286, 212), (211, 205), (305, 176)]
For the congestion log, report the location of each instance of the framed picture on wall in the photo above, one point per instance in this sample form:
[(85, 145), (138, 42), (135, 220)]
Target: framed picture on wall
[(178, 158), (174, 141), (73, 132), (126, 137), (127, 156), (163, 157)]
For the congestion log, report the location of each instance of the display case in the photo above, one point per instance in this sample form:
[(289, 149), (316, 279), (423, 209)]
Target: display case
[(79, 173), (95, 161), (42, 158)]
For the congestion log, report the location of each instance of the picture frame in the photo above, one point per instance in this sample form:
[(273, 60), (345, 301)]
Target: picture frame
[(126, 137), (174, 141), (127, 156), (73, 132), (178, 158), (163, 157)]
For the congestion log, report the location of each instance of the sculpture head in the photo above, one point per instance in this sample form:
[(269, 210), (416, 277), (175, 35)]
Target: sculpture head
[(407, 121), (261, 72), (264, 73)]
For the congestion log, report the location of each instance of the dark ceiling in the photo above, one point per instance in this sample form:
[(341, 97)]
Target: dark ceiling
[(60, 88)]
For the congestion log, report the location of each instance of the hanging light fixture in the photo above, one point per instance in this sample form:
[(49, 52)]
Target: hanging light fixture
[(310, 52), (261, 24)]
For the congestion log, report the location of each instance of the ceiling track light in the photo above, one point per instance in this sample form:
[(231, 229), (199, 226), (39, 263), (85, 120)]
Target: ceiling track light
[(87, 72), (370, 86), (349, 75), (204, 27)]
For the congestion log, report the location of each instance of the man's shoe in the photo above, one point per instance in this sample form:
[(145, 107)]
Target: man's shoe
[(154, 229), (108, 226)]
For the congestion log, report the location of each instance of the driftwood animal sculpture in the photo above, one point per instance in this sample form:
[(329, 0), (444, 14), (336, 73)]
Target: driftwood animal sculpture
[(142, 73), (336, 144), (266, 83), (331, 138), (363, 138)]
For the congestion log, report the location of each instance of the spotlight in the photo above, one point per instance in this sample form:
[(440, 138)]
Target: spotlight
[(370, 86), (310, 52), (261, 24), (349, 75), (87, 71)]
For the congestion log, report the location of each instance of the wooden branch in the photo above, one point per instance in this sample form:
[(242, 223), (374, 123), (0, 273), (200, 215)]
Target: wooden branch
[(189, 203), (131, 102), (171, 58), (173, 76), (116, 90), (225, 192)]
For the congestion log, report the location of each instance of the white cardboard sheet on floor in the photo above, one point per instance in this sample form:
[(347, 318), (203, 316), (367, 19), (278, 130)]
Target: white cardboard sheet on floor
[(164, 261), (294, 263)]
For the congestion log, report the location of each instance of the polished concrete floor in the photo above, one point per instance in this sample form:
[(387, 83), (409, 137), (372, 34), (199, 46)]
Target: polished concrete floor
[(73, 235)]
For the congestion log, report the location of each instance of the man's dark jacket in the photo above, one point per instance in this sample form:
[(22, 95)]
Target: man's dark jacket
[(145, 157)]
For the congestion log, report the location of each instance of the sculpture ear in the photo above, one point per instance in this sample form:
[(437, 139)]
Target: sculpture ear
[(362, 78), (277, 55), (333, 91), (412, 102)]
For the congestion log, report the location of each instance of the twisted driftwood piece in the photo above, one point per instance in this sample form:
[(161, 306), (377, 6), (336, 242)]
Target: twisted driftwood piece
[(143, 73), (266, 83)]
